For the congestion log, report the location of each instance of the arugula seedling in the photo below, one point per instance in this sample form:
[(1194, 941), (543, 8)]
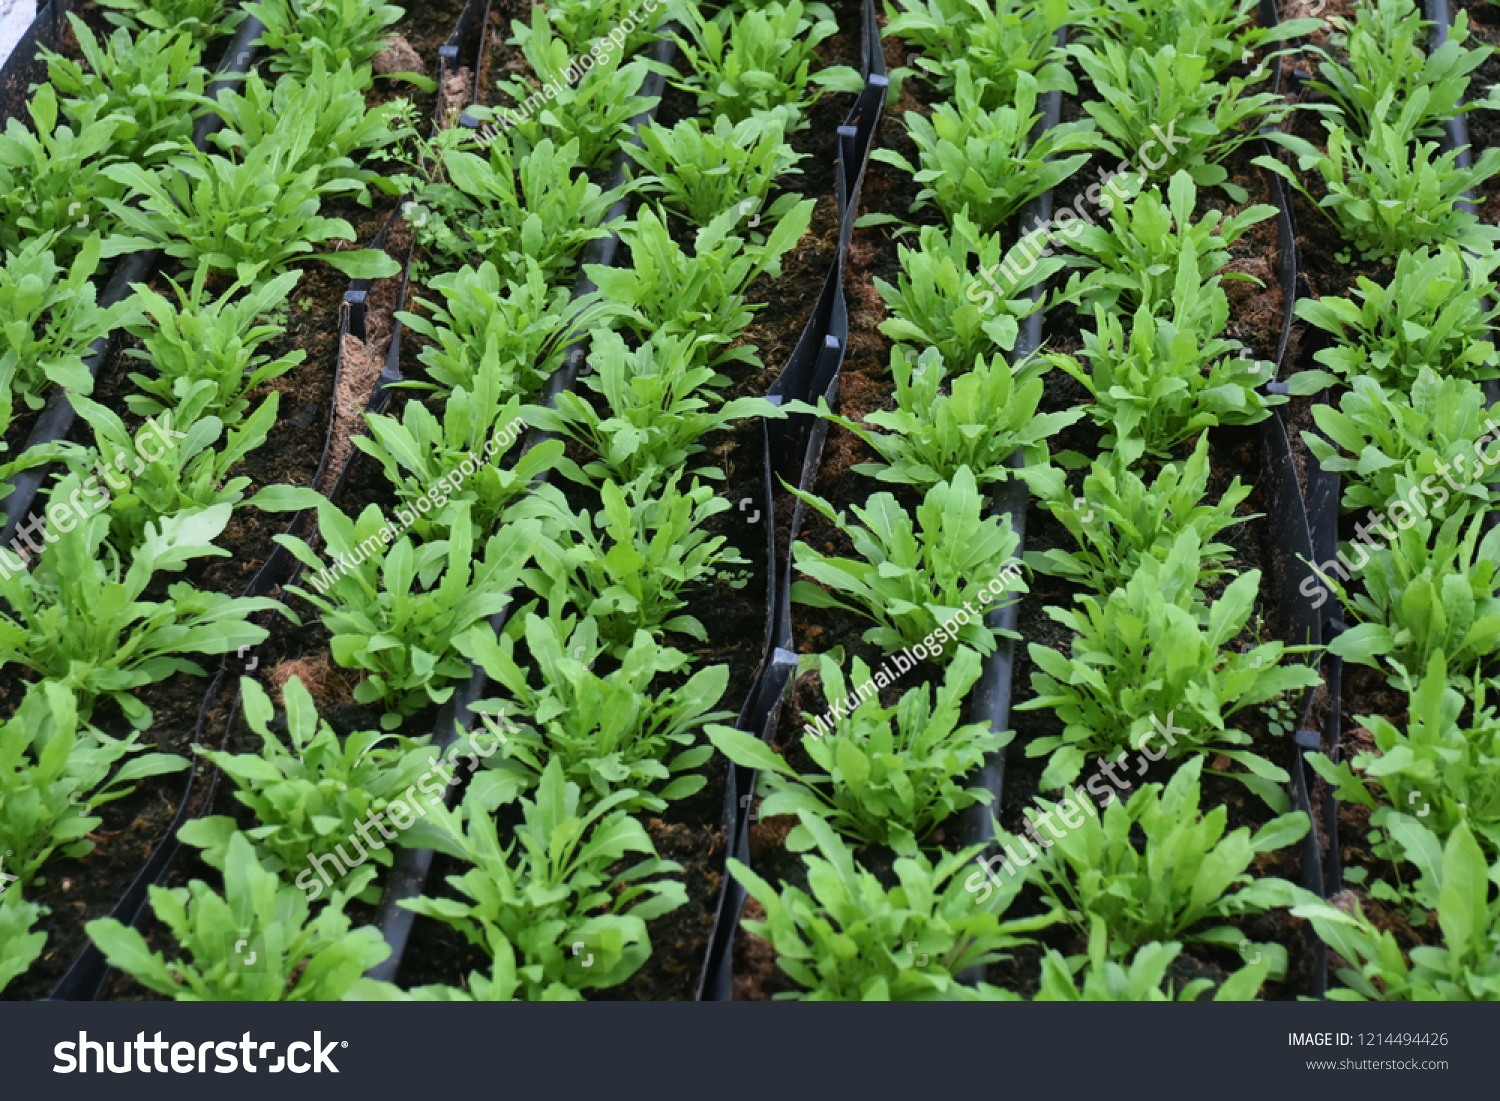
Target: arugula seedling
[(630, 574), (20, 947), (989, 414), (1450, 767), (152, 82), (666, 292), (192, 343), (1130, 521), (1105, 979), (853, 938), (609, 731), (999, 40), (881, 783), (1456, 882), (701, 172), (914, 581), (395, 612), (292, 955), (1423, 595), (984, 163), (1135, 261), (659, 406), (1433, 313), (337, 30), (1149, 649), (760, 62), (52, 176), (205, 20), (1386, 194), (80, 618), (549, 895), (1407, 446), (310, 794), (937, 302), (1168, 100), (50, 318), (1220, 31)]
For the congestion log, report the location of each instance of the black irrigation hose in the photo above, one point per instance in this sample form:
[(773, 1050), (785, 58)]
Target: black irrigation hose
[(793, 449), (56, 417), (87, 976)]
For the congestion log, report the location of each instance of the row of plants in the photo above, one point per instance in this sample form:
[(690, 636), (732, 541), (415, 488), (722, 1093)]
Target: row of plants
[(1405, 424), (93, 617), (599, 714), (1163, 632)]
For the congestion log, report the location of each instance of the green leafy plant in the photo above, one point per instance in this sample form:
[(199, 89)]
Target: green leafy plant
[(53, 778), (658, 405), (49, 318), (1433, 314), (854, 939), (549, 895), (1123, 520), (1136, 260), (630, 574), (19, 946), (1386, 48), (168, 478), (581, 25), (195, 346), (52, 177), (985, 164), (249, 217), (759, 63), (1402, 446), (1185, 874), (881, 783), (417, 453), (395, 612), (596, 111), (79, 616), (296, 958), (516, 333), (999, 40), (203, 19), (520, 201), (989, 414), (1431, 589), (1165, 380), (323, 120), (1386, 194), (1151, 650), (1455, 882), (1107, 980), (152, 82), (937, 302), (700, 173), (1168, 100), (1451, 767), (666, 292), (338, 30), (608, 732), (915, 581), (308, 794), (1220, 31)]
